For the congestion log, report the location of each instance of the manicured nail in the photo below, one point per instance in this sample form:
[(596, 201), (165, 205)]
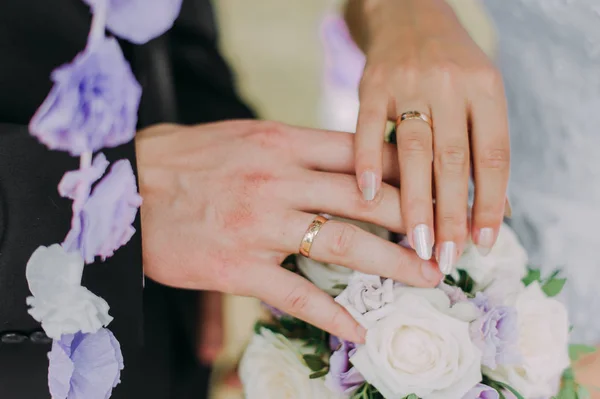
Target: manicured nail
[(447, 257), (362, 333), (486, 241), (429, 271), (507, 209), (368, 185), (423, 241)]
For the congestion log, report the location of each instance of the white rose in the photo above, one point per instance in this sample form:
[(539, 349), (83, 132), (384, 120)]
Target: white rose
[(421, 347), (507, 258), (325, 275), (272, 368), (543, 343), (59, 301), (367, 298), (504, 290)]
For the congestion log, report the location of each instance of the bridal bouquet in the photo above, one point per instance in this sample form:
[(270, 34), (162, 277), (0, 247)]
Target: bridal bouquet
[(491, 330)]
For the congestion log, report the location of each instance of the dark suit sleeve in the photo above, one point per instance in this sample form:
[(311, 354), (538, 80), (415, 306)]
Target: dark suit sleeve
[(204, 84), (32, 214)]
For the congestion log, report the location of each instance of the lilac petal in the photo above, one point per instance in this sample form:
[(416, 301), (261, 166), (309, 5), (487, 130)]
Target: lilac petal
[(107, 216), (342, 376), (140, 20), (276, 313), (495, 333), (93, 103), (344, 60), (481, 391), (95, 362), (61, 368), (71, 183)]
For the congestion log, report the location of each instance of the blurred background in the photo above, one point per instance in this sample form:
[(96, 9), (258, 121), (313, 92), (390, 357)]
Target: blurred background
[(294, 63)]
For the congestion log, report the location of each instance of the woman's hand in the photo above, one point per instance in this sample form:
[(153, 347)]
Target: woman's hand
[(419, 58), (225, 203), (587, 372)]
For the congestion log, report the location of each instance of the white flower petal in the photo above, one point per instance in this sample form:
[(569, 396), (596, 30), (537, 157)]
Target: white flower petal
[(59, 302)]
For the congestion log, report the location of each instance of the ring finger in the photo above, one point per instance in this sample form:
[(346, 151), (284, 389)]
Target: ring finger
[(414, 138), (347, 245)]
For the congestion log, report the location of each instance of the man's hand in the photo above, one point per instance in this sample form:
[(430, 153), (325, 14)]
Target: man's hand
[(225, 203)]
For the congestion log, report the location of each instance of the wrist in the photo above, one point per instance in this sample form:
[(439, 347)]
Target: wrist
[(386, 18)]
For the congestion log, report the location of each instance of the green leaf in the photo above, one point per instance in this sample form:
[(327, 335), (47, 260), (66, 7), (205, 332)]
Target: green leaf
[(554, 287), (465, 281), (511, 389), (319, 374), (411, 396), (259, 325), (314, 362), (576, 351), (340, 286), (532, 275), (583, 393)]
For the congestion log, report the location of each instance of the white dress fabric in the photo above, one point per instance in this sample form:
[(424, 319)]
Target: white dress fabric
[(549, 54)]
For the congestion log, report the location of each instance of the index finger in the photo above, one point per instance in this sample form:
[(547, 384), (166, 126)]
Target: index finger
[(298, 297)]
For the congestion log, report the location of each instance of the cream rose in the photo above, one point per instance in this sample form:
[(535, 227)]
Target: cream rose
[(543, 343), (367, 298), (272, 368), (327, 276), (507, 259), (422, 346)]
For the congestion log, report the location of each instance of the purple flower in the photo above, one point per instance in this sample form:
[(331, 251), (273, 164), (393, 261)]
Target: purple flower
[(482, 392), (276, 313), (344, 60), (456, 294), (77, 184), (342, 376), (85, 366), (93, 103), (139, 20), (495, 333), (103, 224)]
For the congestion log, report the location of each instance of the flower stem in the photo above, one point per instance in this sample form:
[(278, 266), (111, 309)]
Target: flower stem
[(97, 31)]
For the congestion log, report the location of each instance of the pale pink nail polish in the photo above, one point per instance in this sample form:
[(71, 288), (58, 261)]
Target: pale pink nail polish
[(368, 185), (485, 241)]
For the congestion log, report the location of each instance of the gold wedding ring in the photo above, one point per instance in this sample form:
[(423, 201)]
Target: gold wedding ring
[(310, 235), (414, 115)]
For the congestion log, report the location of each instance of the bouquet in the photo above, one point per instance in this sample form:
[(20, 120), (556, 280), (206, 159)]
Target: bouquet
[(493, 329)]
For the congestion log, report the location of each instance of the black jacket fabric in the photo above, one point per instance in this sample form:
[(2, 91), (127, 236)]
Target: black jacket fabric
[(185, 80)]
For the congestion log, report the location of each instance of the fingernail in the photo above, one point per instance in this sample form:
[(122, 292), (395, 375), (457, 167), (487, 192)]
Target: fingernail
[(486, 241), (429, 271), (507, 209), (368, 185), (362, 333), (447, 257), (423, 242)]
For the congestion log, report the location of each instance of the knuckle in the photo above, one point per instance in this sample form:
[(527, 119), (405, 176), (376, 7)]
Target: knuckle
[(338, 321), (414, 144), (498, 159), (489, 80), (296, 301), (344, 236), (269, 133), (375, 74), (488, 218), (453, 222), (408, 71), (368, 114), (448, 74), (453, 158)]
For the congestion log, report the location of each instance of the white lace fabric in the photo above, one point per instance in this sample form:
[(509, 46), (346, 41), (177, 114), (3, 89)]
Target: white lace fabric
[(549, 54)]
